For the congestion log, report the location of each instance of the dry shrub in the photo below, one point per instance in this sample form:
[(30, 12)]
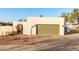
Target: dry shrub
[(13, 33)]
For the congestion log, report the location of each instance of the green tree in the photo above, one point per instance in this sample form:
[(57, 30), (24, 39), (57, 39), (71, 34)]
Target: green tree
[(74, 15), (71, 16), (65, 15)]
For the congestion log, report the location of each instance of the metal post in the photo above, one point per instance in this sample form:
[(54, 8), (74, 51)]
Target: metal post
[(36, 45), (2, 35), (12, 32)]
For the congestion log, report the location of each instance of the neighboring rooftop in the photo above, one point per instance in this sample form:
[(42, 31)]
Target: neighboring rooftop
[(5, 23)]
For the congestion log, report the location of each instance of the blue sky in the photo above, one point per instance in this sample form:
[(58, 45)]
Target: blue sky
[(12, 14)]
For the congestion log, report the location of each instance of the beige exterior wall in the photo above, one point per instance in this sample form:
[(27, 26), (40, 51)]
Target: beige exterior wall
[(32, 21), (5, 30)]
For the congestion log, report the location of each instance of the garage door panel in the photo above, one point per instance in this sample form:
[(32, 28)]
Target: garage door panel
[(47, 29)]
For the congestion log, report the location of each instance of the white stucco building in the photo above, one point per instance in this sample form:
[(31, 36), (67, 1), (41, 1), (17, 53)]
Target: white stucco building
[(37, 26), (42, 26)]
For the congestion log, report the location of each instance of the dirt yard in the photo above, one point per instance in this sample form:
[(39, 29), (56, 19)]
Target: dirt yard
[(40, 43)]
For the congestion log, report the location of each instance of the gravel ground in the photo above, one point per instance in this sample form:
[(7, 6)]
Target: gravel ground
[(40, 43)]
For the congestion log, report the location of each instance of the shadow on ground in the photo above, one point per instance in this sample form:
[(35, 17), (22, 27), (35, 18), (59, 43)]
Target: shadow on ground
[(61, 45)]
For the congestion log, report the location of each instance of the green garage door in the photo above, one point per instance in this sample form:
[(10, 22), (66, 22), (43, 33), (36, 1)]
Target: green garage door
[(47, 29)]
